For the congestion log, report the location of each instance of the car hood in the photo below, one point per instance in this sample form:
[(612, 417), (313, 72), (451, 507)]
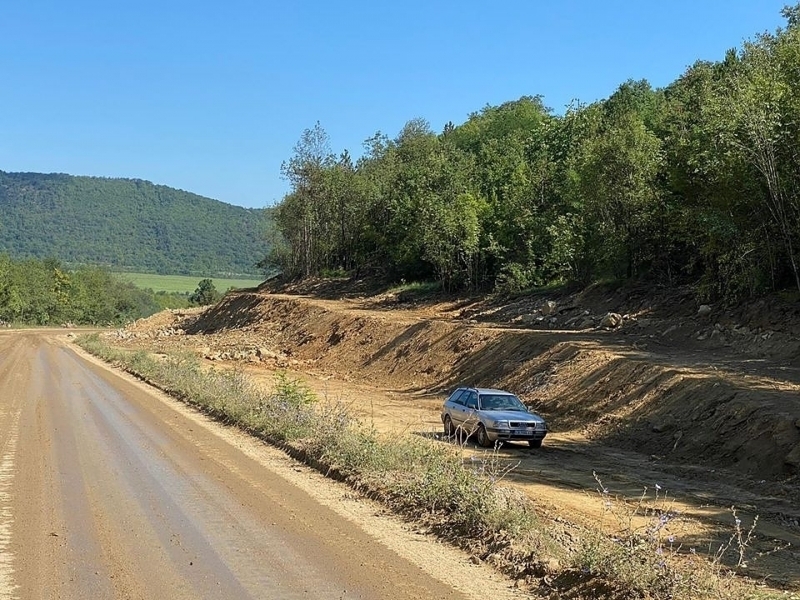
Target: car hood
[(511, 415)]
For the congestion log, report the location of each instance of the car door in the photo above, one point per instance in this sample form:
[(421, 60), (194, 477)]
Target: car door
[(470, 418), (456, 408)]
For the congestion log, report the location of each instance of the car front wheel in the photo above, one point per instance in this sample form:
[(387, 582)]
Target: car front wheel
[(482, 437)]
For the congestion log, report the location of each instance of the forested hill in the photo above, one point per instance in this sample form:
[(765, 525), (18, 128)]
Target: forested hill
[(126, 224)]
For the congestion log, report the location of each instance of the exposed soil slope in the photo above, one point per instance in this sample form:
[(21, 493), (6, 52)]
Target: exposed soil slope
[(708, 406)]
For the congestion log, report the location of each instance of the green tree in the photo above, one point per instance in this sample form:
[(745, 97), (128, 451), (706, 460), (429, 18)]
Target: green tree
[(205, 293), (618, 172), (756, 114)]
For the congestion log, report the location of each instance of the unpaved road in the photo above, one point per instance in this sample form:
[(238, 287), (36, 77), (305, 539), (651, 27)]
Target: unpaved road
[(108, 490)]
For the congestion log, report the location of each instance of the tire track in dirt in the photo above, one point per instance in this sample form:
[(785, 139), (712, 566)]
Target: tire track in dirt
[(11, 369)]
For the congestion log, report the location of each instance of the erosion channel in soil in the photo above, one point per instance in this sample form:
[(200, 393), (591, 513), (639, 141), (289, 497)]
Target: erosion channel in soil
[(704, 405)]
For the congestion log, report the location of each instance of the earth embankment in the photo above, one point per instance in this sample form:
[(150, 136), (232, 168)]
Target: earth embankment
[(710, 406)]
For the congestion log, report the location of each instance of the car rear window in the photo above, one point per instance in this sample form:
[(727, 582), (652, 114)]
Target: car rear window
[(457, 397)]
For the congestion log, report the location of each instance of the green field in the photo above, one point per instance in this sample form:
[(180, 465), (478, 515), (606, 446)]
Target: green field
[(183, 283)]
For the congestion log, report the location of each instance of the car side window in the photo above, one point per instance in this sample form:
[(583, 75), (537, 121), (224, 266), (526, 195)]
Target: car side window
[(472, 400), (457, 397)]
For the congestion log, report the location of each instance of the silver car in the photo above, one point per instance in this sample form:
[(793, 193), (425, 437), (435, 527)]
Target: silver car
[(491, 416)]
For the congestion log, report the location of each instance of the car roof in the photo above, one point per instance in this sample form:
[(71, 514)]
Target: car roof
[(487, 390)]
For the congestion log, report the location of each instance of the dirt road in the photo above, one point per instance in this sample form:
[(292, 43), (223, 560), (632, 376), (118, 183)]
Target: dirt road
[(108, 490)]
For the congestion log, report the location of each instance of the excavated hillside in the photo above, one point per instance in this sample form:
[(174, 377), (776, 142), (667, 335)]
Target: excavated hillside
[(711, 391), (638, 388)]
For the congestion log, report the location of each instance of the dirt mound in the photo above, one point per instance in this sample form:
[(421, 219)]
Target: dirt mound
[(164, 319), (630, 387)]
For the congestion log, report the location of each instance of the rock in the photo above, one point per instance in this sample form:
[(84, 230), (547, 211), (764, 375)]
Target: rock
[(552, 565), (704, 310), (611, 321), (669, 330), (553, 320), (660, 427), (265, 353), (793, 458), (548, 308)]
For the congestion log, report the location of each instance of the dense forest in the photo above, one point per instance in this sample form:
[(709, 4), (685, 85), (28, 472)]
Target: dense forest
[(697, 182), (127, 224)]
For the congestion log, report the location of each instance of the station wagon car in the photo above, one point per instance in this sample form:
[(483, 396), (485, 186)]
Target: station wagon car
[(491, 416)]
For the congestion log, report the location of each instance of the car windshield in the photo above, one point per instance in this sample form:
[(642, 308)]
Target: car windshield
[(501, 402)]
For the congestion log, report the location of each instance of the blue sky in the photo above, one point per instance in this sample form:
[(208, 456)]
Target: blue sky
[(211, 97)]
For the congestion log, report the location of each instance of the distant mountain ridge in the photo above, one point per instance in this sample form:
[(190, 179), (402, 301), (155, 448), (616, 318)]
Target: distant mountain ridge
[(127, 224)]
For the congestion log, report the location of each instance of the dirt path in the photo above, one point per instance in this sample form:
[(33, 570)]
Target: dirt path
[(109, 490)]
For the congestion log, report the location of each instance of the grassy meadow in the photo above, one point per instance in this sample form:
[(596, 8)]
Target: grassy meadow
[(182, 283)]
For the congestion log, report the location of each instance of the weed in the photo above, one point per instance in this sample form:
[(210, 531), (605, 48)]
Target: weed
[(646, 554)]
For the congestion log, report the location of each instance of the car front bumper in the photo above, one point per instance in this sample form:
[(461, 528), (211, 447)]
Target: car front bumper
[(516, 435)]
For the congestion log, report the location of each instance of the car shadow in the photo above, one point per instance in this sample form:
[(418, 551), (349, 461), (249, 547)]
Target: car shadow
[(469, 442)]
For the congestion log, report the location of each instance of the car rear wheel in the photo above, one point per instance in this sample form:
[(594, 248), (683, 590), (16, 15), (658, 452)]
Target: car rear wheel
[(535, 443), (482, 437), (449, 430)]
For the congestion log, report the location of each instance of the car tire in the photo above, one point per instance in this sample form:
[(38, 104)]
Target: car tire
[(449, 430), (482, 437), (535, 443)]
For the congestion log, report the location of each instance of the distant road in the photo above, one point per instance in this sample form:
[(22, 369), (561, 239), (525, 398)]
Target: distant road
[(106, 491)]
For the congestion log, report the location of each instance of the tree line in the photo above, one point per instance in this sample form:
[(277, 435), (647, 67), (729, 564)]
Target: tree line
[(695, 182), (45, 292)]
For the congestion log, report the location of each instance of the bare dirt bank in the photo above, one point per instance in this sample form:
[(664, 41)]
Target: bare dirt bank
[(715, 420)]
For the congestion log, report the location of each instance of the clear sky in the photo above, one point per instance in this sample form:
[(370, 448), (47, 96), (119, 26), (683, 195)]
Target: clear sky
[(211, 97)]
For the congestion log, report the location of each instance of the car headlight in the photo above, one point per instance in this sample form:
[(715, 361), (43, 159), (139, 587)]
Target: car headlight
[(498, 424)]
